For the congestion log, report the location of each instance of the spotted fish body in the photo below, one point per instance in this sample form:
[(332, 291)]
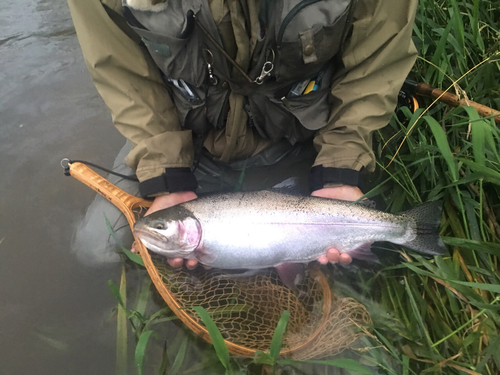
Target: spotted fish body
[(264, 229)]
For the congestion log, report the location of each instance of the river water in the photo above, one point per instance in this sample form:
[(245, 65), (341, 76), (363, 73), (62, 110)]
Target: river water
[(53, 308)]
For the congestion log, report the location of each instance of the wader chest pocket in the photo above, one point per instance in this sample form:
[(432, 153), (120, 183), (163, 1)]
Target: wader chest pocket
[(310, 35), (311, 110), (200, 114), (177, 58), (295, 121)]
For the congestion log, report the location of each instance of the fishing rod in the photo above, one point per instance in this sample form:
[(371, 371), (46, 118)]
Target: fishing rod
[(426, 90)]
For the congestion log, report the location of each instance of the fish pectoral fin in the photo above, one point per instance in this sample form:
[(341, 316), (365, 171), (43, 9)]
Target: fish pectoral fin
[(363, 252), (204, 256), (291, 274)]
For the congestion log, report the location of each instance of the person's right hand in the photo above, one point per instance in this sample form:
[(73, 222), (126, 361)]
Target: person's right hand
[(169, 200)]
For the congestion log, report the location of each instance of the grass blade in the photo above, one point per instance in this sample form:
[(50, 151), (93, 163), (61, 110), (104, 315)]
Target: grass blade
[(444, 147), (488, 172), (215, 335), (116, 292), (346, 364), (179, 358), (140, 350), (164, 361), (480, 246), (136, 258), (277, 340), (121, 331), (142, 299)]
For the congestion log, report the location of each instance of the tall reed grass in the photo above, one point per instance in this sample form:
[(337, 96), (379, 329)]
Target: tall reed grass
[(445, 310)]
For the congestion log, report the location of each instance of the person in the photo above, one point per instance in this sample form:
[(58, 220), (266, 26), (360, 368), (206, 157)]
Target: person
[(229, 80)]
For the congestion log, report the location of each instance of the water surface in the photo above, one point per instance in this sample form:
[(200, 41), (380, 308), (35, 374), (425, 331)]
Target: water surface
[(52, 307)]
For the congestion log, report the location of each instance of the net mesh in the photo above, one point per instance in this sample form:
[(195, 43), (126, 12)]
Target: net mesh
[(247, 310), (347, 321)]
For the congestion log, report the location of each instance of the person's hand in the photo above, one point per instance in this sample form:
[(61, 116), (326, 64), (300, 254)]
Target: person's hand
[(169, 200), (346, 193)]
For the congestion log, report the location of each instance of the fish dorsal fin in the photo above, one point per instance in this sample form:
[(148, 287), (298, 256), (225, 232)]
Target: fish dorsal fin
[(289, 186)]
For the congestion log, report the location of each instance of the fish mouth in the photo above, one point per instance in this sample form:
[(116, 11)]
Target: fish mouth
[(152, 240)]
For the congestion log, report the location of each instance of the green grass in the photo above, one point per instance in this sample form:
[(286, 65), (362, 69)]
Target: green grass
[(447, 308), (430, 316)]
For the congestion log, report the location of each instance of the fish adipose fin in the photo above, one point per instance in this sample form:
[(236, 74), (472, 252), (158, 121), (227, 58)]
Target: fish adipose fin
[(367, 203), (427, 217)]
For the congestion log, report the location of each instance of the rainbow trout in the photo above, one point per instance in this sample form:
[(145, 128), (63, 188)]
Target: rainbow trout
[(263, 229)]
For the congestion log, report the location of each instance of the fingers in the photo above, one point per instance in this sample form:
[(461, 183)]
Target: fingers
[(175, 262), (344, 192), (323, 259), (169, 200), (345, 258), (191, 264), (335, 256), (179, 262), (134, 248)]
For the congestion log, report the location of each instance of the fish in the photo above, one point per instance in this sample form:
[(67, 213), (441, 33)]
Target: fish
[(262, 229)]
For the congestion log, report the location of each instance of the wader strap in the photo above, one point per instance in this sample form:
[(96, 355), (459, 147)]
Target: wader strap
[(120, 21)]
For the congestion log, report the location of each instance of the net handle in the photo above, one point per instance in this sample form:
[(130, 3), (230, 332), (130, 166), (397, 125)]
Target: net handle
[(124, 201)]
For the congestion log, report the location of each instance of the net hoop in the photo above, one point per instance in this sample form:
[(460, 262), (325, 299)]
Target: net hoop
[(127, 203)]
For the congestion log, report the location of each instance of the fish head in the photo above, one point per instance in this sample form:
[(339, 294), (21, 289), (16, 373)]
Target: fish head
[(173, 232)]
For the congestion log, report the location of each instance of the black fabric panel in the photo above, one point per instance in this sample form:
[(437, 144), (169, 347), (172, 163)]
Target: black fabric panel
[(320, 176), (173, 180)]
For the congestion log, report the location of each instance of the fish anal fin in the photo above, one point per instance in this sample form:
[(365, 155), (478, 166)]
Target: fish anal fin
[(291, 273), (363, 252)]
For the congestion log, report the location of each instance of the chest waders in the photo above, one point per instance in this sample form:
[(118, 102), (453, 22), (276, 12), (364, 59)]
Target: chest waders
[(287, 84)]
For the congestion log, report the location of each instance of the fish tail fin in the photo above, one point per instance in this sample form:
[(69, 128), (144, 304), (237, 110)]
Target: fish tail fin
[(427, 216)]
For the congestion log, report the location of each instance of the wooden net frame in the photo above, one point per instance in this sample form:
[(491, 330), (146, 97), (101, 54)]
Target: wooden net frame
[(259, 300)]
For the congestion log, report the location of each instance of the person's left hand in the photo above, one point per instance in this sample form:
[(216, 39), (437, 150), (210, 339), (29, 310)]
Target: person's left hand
[(346, 193)]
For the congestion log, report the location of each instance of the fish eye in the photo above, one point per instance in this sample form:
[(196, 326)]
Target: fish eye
[(159, 226)]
